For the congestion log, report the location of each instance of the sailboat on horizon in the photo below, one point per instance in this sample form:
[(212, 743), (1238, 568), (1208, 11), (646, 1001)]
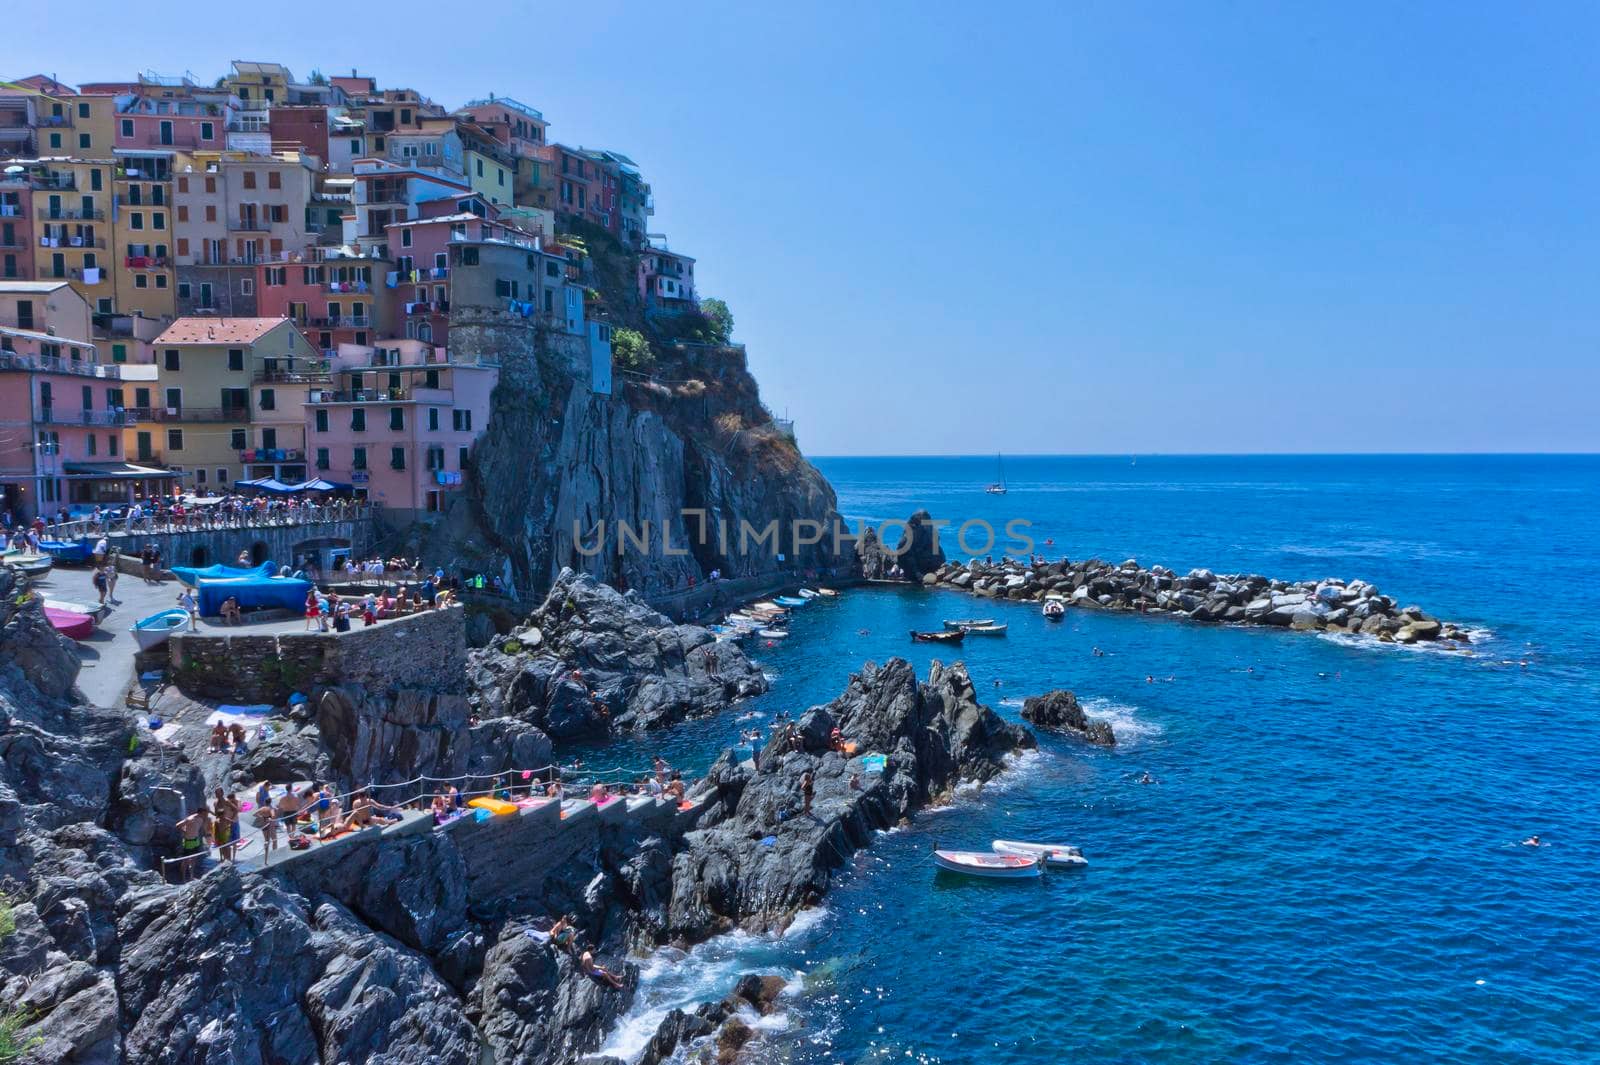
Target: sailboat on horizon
[(998, 488)]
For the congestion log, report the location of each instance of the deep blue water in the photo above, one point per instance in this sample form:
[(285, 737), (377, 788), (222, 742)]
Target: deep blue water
[(1328, 868)]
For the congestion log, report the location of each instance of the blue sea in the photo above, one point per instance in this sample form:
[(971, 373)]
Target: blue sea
[(1328, 867)]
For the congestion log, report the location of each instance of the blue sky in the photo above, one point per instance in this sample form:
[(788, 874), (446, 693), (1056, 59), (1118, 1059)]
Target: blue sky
[(1102, 228)]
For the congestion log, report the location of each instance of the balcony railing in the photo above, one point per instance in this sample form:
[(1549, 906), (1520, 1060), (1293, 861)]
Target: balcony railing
[(11, 360), (128, 200), (53, 121), (342, 322), (188, 414), (249, 225), (291, 377), (69, 214), (60, 416), (361, 395), (63, 241), (65, 182), (144, 262)]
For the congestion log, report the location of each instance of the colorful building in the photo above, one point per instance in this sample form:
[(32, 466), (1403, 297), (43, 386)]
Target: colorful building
[(142, 234), (335, 296), (61, 409), (666, 280), (72, 238), (400, 421), (16, 227), (199, 420)]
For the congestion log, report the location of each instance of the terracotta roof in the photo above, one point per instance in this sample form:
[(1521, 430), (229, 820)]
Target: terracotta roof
[(217, 330)]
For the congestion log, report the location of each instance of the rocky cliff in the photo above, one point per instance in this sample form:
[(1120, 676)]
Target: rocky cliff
[(591, 659), (560, 465)]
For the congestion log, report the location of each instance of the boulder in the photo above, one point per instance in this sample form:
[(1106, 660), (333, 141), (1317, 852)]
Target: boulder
[(1059, 711)]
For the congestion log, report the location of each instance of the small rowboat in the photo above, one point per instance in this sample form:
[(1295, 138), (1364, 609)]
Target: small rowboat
[(984, 630), (69, 623), (152, 632), (791, 600), (1054, 610), (984, 864), (947, 636), (807, 593), (31, 565), (772, 634), (967, 623), (96, 611), (1050, 853), (826, 591)]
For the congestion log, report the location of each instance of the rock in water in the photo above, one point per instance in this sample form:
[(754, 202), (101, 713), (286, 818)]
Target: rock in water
[(916, 554), (608, 661), (1059, 711), (760, 855)]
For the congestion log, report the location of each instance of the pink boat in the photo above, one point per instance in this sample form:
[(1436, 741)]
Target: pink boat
[(68, 623)]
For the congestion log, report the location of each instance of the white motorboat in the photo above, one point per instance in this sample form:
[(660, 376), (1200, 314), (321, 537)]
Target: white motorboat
[(29, 563), (1054, 610), (807, 593), (984, 630), (966, 623), (1050, 853), (772, 634), (984, 864), (826, 591)]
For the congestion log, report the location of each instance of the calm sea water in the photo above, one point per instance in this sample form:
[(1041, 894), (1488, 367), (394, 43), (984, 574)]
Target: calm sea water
[(1328, 867)]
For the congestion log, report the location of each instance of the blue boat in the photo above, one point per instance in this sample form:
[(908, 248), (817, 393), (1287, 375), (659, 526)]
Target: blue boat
[(789, 600), (69, 552), (152, 632), (253, 593), (193, 575)]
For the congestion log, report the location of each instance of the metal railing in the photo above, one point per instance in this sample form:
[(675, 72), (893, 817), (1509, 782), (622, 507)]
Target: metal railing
[(71, 214), (11, 360), (218, 516), (57, 416), (188, 414)]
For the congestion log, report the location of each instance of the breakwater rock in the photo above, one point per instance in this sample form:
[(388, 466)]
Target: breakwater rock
[(1329, 605), (1059, 711), (775, 831), (591, 659)]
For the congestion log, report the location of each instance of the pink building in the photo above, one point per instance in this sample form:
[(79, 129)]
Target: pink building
[(335, 296), (666, 280), (61, 409), (399, 422)]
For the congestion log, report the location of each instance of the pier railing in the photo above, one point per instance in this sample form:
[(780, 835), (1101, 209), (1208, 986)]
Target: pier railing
[(206, 518)]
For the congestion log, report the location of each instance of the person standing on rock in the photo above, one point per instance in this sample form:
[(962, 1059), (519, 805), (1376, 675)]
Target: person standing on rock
[(195, 828), (807, 789), (225, 817)]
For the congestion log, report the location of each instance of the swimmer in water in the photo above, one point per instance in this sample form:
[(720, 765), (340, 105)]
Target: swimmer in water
[(1149, 679), (1532, 841), (1099, 653), (1146, 778), (863, 632)]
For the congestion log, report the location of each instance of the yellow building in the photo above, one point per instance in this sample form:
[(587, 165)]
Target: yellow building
[(201, 420), (76, 125), (258, 84), (142, 234), (72, 206)]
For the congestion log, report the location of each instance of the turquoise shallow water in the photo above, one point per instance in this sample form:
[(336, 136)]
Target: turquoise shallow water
[(1327, 868)]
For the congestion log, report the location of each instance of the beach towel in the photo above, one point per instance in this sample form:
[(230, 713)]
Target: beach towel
[(250, 708)]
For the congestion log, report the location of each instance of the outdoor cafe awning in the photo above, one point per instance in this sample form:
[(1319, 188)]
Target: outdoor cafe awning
[(116, 471)]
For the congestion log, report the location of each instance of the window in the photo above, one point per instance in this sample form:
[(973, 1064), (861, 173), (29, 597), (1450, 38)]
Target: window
[(174, 439), (480, 167), (274, 180), (397, 458), (211, 184), (236, 359), (436, 458), (83, 110), (430, 379), (276, 276), (322, 421), (222, 475), (171, 361), (200, 476), (405, 237), (269, 439), (93, 443), (247, 286), (183, 214), (397, 417), (111, 445), (463, 456), (183, 186), (249, 179), (238, 439), (119, 353), (358, 419), (211, 212), (268, 400), (358, 459), (322, 458), (127, 127), (158, 219), (135, 220), (208, 131), (94, 180), (161, 281), (83, 140), (433, 419), (461, 420)]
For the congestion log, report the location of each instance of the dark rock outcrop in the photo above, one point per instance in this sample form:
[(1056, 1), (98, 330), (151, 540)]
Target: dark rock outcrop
[(1059, 711), (760, 854), (592, 659), (915, 554)]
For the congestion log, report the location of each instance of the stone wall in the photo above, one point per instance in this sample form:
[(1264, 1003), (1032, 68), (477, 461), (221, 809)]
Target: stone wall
[(424, 652)]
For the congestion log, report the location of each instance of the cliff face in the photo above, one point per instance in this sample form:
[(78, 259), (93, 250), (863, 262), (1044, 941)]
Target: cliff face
[(559, 466)]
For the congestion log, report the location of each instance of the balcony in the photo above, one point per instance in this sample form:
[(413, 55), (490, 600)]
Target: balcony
[(126, 199), (13, 241), (53, 121), (292, 377), (53, 181), (249, 225), (67, 214), (64, 241), (361, 395), (188, 414), (144, 262), (341, 322), (428, 307), (11, 360), (58, 416)]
